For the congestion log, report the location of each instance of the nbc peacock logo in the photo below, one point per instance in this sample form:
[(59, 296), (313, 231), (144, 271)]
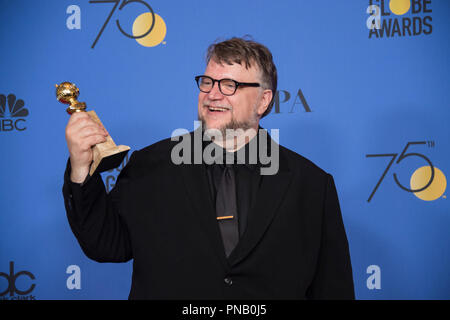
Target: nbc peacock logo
[(12, 113)]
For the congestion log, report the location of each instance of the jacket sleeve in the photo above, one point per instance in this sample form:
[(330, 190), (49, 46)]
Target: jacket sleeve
[(333, 279), (96, 217)]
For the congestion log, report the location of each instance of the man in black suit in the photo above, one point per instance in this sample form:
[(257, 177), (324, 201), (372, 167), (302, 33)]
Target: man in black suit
[(220, 229)]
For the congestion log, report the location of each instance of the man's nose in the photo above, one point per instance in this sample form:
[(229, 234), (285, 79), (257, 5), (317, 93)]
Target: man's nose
[(215, 93)]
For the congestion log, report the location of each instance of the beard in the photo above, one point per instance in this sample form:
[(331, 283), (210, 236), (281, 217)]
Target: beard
[(233, 124), (230, 125)]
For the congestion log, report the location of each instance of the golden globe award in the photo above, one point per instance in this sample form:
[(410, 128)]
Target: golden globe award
[(107, 155)]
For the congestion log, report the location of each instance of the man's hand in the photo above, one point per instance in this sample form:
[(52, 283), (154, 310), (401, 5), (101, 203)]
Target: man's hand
[(82, 133)]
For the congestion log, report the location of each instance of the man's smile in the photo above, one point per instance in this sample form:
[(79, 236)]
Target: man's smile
[(216, 109)]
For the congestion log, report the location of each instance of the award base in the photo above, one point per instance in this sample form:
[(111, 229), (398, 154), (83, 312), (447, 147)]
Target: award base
[(107, 155)]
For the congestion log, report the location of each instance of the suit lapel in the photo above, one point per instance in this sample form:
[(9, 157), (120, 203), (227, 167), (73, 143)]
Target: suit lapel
[(268, 200), (197, 187)]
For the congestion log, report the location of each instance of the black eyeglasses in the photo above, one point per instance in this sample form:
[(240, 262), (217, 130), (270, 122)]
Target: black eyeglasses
[(227, 87)]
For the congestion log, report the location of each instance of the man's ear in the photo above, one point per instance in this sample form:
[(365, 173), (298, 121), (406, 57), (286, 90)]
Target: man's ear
[(265, 101)]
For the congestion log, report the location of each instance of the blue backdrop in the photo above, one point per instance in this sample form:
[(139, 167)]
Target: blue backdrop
[(362, 103)]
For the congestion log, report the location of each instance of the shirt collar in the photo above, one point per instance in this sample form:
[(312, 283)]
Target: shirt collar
[(239, 157)]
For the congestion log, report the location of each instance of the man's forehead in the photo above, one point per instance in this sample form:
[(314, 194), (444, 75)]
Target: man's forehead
[(230, 60), (230, 67)]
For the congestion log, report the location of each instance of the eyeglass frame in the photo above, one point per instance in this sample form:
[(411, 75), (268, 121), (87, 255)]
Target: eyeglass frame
[(237, 83)]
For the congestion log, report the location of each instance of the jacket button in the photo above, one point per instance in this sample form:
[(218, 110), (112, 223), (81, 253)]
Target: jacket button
[(228, 281)]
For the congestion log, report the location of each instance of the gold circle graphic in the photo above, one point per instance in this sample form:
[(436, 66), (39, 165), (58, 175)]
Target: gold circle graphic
[(399, 7), (420, 178), (141, 25)]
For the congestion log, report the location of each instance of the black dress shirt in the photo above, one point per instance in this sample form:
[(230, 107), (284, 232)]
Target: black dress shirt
[(247, 176)]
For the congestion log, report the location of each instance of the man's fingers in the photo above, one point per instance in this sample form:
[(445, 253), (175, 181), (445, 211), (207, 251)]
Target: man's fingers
[(77, 116), (90, 131), (84, 128), (91, 141), (80, 120)]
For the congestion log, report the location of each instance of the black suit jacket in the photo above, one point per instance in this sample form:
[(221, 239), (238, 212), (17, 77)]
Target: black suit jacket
[(161, 215)]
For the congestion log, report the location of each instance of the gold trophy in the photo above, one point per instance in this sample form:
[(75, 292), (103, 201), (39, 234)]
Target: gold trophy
[(107, 155)]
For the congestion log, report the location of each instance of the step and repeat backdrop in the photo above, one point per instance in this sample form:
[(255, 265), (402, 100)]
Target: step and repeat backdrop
[(363, 92)]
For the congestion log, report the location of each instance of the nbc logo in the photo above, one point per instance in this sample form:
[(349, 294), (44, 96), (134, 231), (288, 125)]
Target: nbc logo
[(12, 113)]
